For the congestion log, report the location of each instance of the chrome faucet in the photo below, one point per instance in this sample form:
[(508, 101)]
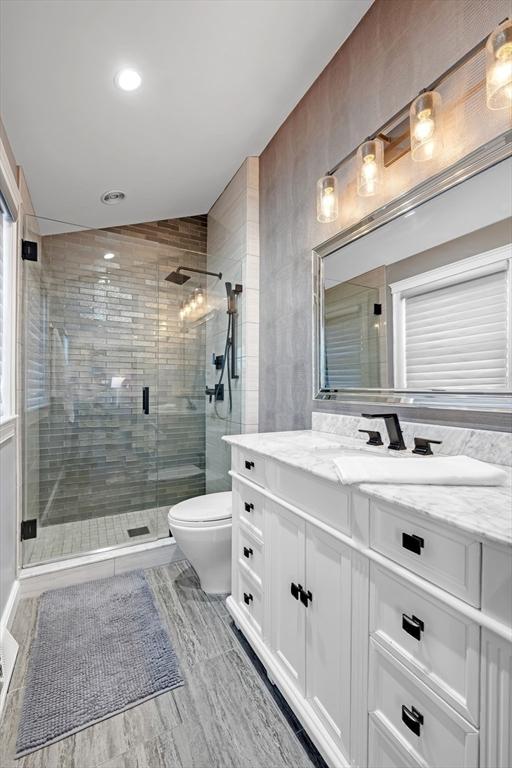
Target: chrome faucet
[(392, 422)]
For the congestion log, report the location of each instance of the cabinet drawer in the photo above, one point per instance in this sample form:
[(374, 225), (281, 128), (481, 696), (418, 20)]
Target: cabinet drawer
[(438, 644), (384, 749), (422, 722), (444, 556), (327, 501), (250, 599), (250, 465), (250, 553), (250, 505)]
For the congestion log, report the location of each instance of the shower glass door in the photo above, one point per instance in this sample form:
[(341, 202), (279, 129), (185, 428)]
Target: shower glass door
[(181, 382), (90, 358)]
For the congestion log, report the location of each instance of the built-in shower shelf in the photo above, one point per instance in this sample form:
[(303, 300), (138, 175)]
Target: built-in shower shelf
[(176, 473)]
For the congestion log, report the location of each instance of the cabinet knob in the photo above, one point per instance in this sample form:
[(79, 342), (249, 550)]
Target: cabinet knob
[(413, 626), (248, 507), (249, 464), (413, 543), (247, 598), (248, 551), (413, 719)]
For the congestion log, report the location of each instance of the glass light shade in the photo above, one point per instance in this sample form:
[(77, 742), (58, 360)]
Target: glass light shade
[(327, 199), (370, 167), (425, 118), (498, 51)]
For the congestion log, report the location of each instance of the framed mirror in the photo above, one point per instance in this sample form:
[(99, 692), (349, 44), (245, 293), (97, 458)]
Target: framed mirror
[(413, 306)]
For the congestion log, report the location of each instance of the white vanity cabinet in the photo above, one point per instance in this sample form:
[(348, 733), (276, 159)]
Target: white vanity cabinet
[(387, 632), (310, 606)]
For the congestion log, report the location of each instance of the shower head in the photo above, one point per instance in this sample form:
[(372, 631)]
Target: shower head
[(178, 278)]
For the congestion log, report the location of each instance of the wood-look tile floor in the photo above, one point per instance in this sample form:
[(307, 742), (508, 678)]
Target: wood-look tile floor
[(227, 715)]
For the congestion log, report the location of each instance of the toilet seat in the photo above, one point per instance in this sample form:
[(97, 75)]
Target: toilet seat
[(203, 511)]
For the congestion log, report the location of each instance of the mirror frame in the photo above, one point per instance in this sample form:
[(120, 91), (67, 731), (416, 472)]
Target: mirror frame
[(481, 159)]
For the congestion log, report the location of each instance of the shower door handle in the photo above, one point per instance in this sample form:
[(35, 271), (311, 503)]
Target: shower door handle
[(145, 400)]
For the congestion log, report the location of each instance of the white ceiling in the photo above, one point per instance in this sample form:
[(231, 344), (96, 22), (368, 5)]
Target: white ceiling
[(219, 78)]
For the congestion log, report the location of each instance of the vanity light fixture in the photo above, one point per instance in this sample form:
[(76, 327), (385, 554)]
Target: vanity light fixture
[(425, 126), (417, 127), (498, 52), (370, 166), (327, 199)]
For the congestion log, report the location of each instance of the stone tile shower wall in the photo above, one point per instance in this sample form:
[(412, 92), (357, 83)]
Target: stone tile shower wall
[(112, 327)]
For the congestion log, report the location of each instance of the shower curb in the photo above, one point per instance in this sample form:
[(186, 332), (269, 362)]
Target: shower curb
[(62, 573)]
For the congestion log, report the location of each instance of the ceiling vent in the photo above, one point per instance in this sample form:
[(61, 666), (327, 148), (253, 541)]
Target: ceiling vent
[(113, 197)]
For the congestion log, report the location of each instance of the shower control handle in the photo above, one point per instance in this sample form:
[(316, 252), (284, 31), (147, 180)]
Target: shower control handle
[(145, 400)]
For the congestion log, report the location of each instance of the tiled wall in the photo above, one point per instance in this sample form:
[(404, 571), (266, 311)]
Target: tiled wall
[(398, 48), (110, 328), (233, 249)]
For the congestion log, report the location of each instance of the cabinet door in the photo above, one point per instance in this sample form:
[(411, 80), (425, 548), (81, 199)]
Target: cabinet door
[(496, 702), (328, 632), (288, 614)]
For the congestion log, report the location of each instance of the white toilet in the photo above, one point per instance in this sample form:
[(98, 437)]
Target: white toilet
[(202, 529)]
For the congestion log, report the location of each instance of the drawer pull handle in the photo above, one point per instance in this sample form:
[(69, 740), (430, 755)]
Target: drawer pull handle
[(295, 590), (413, 626), (413, 543), (249, 464), (305, 597), (248, 551), (247, 598), (248, 507), (413, 719)]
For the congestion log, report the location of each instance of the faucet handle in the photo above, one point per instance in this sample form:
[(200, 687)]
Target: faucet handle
[(374, 438), (422, 446)]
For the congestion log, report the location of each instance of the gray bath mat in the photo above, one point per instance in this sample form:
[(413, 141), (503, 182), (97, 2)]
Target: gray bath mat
[(100, 648)]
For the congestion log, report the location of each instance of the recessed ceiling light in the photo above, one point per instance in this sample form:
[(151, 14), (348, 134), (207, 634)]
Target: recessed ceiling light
[(112, 197), (128, 80), (109, 256)]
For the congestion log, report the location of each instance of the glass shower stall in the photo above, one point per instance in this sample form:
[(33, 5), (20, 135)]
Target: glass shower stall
[(115, 370)]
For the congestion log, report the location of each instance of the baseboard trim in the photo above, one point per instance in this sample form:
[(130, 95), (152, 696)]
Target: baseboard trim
[(299, 705), (8, 645), (63, 573), (10, 606)]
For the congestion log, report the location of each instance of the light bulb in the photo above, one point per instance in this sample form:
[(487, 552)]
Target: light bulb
[(425, 124), (369, 169), (499, 67), (128, 80), (199, 297), (326, 199), (370, 162)]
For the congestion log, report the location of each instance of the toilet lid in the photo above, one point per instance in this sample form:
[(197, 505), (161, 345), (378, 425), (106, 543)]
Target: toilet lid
[(202, 509)]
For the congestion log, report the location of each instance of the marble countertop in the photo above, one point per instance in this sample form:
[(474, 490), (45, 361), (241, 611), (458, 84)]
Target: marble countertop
[(483, 511)]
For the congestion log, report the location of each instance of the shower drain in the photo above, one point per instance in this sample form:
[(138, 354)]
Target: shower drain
[(138, 531)]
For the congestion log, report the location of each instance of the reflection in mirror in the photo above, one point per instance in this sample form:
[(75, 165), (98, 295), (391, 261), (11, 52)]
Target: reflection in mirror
[(423, 302)]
